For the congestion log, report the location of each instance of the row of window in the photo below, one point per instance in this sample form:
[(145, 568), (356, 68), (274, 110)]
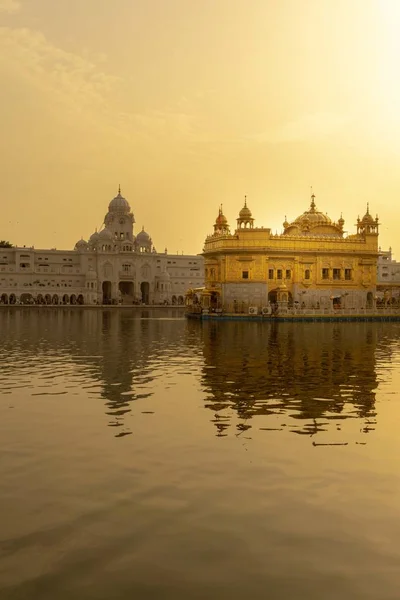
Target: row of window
[(279, 274), (337, 274)]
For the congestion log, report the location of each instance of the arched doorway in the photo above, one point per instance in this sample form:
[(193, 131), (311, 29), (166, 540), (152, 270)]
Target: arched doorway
[(13, 299), (272, 296), (80, 299), (106, 287), (72, 299), (26, 299), (65, 299), (40, 299), (47, 299), (370, 300), (174, 300), (127, 290), (145, 291), (180, 300), (214, 300), (54, 299), (4, 299)]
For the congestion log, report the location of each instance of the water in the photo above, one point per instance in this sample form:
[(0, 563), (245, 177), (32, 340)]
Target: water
[(143, 456)]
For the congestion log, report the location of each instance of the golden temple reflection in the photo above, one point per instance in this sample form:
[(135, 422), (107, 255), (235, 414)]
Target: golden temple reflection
[(309, 378)]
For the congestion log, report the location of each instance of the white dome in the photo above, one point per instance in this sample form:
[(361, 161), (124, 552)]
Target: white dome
[(105, 234), (81, 245), (142, 237), (94, 238), (119, 204)]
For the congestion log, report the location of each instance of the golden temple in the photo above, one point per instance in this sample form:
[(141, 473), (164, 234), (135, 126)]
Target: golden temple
[(312, 265)]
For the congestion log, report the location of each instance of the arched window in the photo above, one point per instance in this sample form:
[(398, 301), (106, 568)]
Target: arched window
[(307, 274)]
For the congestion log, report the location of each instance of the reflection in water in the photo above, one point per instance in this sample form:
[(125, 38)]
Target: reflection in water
[(178, 507), (305, 376), (115, 354)]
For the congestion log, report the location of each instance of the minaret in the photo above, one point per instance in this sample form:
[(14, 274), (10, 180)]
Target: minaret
[(245, 219), (221, 226)]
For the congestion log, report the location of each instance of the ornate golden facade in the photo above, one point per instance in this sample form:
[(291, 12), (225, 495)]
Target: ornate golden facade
[(311, 264)]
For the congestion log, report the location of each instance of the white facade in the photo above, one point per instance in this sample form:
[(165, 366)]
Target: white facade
[(114, 266), (388, 268), (387, 277)]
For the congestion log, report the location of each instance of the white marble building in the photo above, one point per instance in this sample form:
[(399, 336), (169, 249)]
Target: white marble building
[(388, 275), (114, 266)]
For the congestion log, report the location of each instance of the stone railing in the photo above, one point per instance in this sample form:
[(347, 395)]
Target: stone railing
[(244, 310)]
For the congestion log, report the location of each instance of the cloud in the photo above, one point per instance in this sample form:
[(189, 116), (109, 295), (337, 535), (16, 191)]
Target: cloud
[(308, 127), (78, 86), (65, 82), (9, 6)]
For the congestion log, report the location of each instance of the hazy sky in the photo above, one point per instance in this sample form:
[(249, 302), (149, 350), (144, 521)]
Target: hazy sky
[(192, 103)]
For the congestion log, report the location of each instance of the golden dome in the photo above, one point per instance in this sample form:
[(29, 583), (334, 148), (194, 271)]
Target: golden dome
[(313, 222), (221, 219), (221, 226), (245, 213), (312, 215), (368, 218)]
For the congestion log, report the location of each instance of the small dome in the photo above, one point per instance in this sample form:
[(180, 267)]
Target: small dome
[(81, 245), (142, 237), (368, 218), (245, 213), (94, 238), (105, 234), (221, 219), (119, 204)]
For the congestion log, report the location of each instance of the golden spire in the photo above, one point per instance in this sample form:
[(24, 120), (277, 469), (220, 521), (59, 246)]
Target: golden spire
[(119, 189), (312, 205)]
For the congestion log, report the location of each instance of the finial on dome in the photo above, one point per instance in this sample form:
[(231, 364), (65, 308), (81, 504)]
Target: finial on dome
[(119, 189), (312, 205), (245, 201), (142, 227), (367, 208)]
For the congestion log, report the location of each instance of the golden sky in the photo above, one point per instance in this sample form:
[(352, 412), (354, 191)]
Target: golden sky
[(192, 103)]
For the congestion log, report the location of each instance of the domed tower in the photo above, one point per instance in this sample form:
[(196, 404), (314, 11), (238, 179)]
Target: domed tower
[(81, 245), (368, 225), (314, 223), (245, 219), (93, 240), (119, 219), (221, 226), (143, 241)]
